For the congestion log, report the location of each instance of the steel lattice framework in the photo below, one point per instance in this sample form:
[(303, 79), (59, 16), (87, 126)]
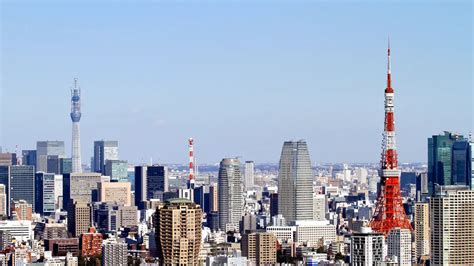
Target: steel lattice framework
[(389, 212)]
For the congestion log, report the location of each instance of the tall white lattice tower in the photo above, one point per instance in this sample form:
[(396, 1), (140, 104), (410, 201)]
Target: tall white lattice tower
[(76, 137)]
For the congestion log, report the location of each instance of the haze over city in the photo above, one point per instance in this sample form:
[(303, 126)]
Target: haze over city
[(238, 77)]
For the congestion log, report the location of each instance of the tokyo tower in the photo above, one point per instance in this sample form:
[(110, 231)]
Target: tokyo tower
[(389, 212)]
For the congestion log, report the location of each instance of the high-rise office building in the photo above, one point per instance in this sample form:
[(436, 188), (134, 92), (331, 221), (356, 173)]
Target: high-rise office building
[(78, 217), (273, 204), (213, 198), (45, 202), (5, 181), (319, 207), (115, 192), (28, 157), (65, 166), (249, 174), (367, 248), (440, 159), (114, 253), (156, 181), (295, 182), (178, 232), (22, 183), (110, 217), (422, 229), (140, 185), (461, 163), (76, 136), (260, 248), (81, 187), (45, 148), (104, 150), (52, 164), (58, 191), (451, 226), (3, 201), (399, 245), (117, 170), (230, 199)]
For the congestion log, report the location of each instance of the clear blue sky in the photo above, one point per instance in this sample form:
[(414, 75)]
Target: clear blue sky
[(239, 77)]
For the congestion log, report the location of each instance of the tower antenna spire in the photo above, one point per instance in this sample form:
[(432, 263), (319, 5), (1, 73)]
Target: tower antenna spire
[(389, 212)]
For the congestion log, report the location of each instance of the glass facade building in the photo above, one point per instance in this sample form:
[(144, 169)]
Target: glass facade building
[(44, 193), (104, 150), (22, 183), (440, 159)]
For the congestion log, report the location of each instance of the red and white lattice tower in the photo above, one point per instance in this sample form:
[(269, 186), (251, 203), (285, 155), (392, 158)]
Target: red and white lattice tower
[(191, 163), (389, 212)]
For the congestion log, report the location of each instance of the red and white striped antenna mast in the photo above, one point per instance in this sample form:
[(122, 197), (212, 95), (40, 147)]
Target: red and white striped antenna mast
[(191, 163)]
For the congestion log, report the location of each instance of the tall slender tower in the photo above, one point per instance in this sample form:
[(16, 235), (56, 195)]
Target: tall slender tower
[(76, 117), (389, 212), (191, 163)]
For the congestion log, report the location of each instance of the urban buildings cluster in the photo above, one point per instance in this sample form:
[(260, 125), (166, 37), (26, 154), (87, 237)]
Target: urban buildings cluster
[(57, 211)]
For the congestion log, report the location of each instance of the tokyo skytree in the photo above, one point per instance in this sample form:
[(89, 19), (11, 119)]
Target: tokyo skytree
[(76, 137)]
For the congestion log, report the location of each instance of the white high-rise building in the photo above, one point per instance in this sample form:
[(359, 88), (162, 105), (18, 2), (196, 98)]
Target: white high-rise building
[(367, 248), (249, 174), (451, 226), (114, 253), (319, 207), (295, 182), (422, 229), (230, 194), (399, 246), (76, 137)]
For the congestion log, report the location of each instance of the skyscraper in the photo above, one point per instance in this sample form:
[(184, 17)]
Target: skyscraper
[(367, 248), (461, 163), (114, 253), (451, 226), (440, 159), (295, 182), (78, 218), (45, 202), (45, 148), (249, 172), (117, 170), (104, 150), (140, 185), (260, 248), (29, 157), (156, 181), (5, 181), (76, 137), (178, 232), (3, 201), (230, 200), (22, 183), (422, 229), (81, 187), (399, 245)]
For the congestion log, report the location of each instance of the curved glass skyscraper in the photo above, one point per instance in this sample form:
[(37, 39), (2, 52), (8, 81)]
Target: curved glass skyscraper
[(295, 182), (230, 198)]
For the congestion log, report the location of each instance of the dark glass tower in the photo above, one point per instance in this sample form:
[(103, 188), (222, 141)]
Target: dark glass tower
[(440, 159), (461, 163)]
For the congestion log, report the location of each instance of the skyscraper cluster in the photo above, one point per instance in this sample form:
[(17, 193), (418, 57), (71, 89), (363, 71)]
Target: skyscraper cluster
[(56, 210)]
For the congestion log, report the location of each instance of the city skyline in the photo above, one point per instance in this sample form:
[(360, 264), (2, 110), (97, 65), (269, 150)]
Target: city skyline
[(306, 72)]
